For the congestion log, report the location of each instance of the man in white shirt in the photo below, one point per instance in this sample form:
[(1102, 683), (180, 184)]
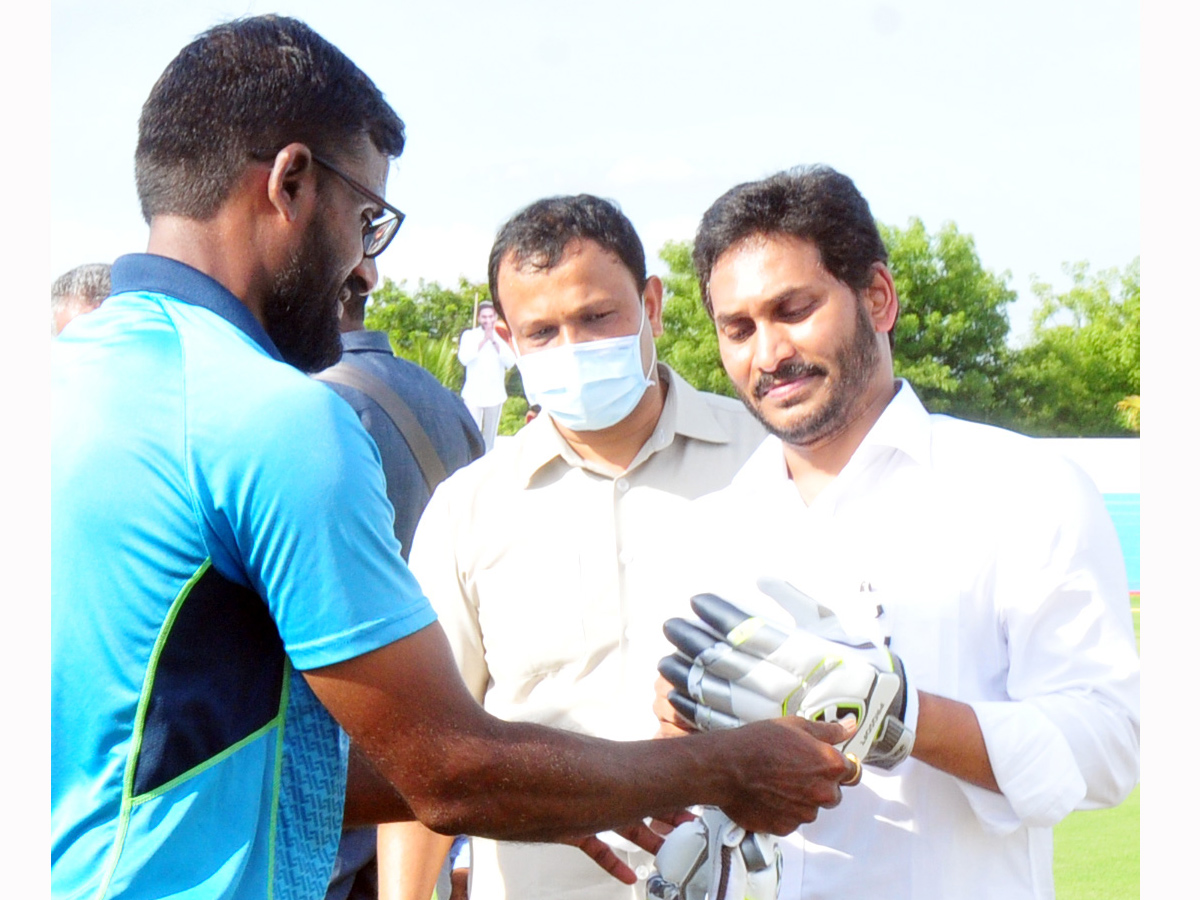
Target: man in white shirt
[(486, 357), (986, 563), (536, 557)]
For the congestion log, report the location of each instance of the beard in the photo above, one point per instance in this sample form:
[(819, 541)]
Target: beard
[(301, 312), (854, 361)]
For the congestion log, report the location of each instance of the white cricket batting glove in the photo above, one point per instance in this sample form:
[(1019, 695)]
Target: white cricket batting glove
[(711, 858), (733, 668)]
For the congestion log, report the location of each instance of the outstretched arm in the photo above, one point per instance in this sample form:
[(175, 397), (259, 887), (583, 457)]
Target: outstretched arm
[(370, 797), (463, 771)]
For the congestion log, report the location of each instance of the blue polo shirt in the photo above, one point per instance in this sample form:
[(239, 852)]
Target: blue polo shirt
[(219, 522)]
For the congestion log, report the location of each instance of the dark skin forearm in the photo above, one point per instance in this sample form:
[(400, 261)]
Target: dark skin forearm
[(463, 771), (370, 798)]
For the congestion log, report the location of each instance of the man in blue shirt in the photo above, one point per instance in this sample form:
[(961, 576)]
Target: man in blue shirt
[(226, 586)]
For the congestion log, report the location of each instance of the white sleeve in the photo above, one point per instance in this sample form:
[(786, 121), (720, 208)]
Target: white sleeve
[(468, 346), (434, 562), (507, 358), (1068, 738)]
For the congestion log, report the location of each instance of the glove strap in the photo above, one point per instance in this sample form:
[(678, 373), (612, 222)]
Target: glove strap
[(899, 732), (726, 866), (911, 710)]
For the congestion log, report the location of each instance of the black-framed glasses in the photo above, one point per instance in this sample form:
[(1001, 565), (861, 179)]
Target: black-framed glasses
[(378, 234)]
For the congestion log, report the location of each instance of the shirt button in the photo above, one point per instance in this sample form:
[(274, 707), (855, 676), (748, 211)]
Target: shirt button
[(622, 485), (626, 557)]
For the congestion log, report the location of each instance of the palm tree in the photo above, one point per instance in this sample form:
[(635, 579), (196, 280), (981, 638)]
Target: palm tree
[(438, 356)]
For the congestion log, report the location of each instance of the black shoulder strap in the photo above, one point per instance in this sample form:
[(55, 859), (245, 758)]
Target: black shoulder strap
[(428, 461)]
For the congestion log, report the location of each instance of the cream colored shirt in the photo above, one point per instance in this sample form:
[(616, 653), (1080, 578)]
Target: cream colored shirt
[(538, 565)]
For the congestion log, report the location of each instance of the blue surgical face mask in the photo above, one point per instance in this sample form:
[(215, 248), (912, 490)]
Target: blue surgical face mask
[(588, 386)]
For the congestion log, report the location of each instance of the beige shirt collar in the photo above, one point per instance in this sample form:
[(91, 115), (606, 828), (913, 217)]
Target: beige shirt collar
[(684, 414)]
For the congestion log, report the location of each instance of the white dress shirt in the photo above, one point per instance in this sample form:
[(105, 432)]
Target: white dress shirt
[(1000, 584), (535, 562), (485, 365)]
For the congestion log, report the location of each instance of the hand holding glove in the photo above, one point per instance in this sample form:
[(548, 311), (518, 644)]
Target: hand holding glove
[(733, 668)]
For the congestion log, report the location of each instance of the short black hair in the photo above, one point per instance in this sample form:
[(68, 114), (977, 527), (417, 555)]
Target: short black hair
[(243, 89), (539, 234), (813, 203)]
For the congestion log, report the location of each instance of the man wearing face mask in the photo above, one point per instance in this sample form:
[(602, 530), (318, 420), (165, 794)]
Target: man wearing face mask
[(538, 557)]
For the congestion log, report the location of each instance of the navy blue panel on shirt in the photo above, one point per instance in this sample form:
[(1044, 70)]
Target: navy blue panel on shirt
[(218, 679), (147, 272)]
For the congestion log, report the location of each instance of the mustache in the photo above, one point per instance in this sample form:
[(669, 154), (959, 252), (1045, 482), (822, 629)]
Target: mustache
[(788, 371)]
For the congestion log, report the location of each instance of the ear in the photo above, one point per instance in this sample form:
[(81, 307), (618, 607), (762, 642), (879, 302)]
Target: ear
[(883, 306), (652, 296), (503, 332), (291, 185)]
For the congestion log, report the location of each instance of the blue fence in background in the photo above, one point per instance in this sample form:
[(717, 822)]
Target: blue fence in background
[(1126, 512)]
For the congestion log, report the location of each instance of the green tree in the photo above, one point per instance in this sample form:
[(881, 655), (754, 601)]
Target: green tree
[(1129, 413), (512, 416), (424, 325), (951, 336), (1081, 373), (689, 342), (438, 356), (431, 311)]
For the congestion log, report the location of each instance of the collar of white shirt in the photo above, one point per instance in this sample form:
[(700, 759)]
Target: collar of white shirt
[(904, 425), (685, 414)]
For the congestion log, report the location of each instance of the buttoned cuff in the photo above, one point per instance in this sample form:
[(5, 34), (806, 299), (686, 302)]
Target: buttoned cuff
[(1039, 780)]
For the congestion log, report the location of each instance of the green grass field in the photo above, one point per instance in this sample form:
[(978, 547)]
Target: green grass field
[(1097, 854)]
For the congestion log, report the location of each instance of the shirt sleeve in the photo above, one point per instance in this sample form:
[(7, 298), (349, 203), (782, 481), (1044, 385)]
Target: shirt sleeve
[(1068, 738), (435, 559), (507, 357), (306, 520), (468, 346)]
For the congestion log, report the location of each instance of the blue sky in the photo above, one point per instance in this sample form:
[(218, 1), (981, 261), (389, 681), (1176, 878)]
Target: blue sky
[(1017, 121)]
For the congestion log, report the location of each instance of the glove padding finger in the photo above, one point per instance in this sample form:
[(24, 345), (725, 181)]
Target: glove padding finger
[(749, 698), (712, 858), (881, 702), (839, 688), (701, 717), (764, 669), (783, 645)]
